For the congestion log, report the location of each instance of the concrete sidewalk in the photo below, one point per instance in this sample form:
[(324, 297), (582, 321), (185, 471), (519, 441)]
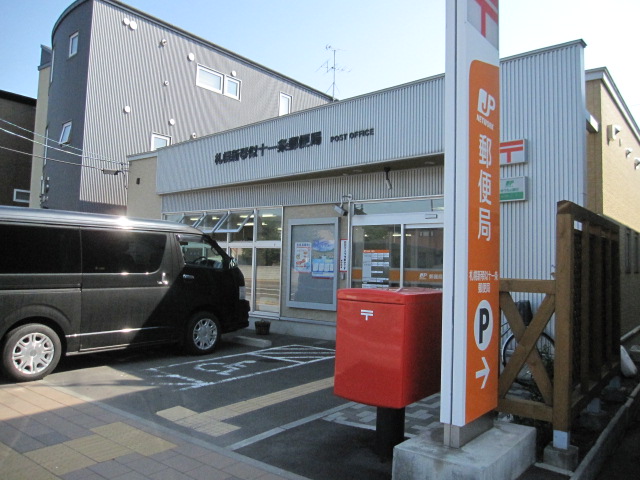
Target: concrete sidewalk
[(47, 433)]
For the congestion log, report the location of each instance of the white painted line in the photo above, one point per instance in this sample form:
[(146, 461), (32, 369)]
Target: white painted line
[(288, 426)]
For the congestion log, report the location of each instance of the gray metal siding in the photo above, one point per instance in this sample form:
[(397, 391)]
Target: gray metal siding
[(542, 101), (129, 67), (67, 95), (406, 183), (407, 123)]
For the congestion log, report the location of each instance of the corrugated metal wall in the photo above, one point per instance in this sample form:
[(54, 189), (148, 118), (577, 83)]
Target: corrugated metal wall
[(129, 67), (406, 183), (542, 102), (407, 122)]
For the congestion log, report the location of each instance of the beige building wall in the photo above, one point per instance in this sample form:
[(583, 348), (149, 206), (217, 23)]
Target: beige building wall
[(142, 200), (40, 129), (614, 183), (613, 179)]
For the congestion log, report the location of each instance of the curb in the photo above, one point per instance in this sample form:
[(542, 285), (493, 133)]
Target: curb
[(250, 341), (591, 464)]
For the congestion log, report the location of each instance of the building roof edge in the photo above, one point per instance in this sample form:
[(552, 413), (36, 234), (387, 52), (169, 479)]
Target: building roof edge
[(602, 74)]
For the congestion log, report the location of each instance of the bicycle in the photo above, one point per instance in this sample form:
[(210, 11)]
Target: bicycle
[(545, 344)]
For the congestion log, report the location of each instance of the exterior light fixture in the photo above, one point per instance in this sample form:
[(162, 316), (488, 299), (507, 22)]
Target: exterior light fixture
[(340, 210), (386, 178), (612, 132), (109, 171), (628, 151), (636, 163)]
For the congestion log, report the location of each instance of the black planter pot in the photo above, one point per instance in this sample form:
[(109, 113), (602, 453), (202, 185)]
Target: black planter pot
[(262, 328)]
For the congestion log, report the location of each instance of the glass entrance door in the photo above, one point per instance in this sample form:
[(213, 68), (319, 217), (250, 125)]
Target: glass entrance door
[(397, 244), (423, 257)]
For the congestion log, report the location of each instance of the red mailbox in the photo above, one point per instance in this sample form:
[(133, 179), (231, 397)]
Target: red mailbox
[(388, 345)]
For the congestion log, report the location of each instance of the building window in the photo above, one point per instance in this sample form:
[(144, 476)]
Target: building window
[(159, 141), (232, 88), (209, 79), (21, 196), (285, 104), (65, 134), (73, 44)]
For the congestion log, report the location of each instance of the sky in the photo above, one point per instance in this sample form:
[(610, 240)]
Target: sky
[(377, 43)]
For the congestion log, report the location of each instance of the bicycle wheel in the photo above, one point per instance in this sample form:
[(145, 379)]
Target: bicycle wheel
[(545, 347)]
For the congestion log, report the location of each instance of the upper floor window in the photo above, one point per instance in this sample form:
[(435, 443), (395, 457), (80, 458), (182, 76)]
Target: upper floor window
[(285, 104), (209, 79), (21, 196), (232, 87), (73, 44), (159, 141), (65, 134)]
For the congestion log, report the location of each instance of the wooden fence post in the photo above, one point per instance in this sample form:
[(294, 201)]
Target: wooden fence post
[(563, 368)]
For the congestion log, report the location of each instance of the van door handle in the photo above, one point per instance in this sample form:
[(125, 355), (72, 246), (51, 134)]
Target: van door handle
[(164, 280), (188, 277)]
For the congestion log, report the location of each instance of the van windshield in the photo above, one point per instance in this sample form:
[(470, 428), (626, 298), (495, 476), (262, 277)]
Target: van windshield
[(198, 250)]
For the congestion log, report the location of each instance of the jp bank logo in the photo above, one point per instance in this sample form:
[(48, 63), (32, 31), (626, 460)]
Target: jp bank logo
[(486, 103)]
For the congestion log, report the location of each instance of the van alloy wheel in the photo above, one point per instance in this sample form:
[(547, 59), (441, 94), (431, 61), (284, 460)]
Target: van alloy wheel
[(203, 334), (31, 352)]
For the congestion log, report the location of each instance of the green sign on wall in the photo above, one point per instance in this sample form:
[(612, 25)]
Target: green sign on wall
[(513, 189)]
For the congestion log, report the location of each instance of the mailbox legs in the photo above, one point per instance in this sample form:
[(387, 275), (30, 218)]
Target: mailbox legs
[(389, 431)]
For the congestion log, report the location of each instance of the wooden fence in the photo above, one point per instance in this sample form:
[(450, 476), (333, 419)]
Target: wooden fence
[(585, 298)]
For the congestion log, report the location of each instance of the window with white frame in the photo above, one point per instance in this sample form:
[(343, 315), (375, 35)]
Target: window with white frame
[(159, 141), (285, 104), (21, 196), (65, 134), (209, 79), (232, 87), (73, 44)]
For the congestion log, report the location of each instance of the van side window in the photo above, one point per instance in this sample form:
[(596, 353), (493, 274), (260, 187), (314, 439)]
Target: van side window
[(196, 251), (26, 249), (121, 251)]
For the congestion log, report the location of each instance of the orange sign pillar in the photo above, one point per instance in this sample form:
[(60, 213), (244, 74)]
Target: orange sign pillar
[(471, 314)]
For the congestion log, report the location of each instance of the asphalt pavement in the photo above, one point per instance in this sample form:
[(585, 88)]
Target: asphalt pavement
[(257, 409)]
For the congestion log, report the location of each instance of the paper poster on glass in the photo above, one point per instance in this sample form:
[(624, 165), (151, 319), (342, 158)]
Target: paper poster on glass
[(302, 257), (322, 259), (313, 263), (375, 269)]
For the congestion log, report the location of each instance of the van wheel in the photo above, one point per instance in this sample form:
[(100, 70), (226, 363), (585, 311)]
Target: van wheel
[(30, 352), (203, 334)]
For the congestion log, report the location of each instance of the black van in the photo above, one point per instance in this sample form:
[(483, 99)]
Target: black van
[(82, 283)]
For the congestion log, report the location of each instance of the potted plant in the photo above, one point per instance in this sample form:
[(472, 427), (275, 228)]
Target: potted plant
[(262, 327)]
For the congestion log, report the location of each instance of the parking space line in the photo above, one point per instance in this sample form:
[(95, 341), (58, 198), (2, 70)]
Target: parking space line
[(275, 431), (212, 422)]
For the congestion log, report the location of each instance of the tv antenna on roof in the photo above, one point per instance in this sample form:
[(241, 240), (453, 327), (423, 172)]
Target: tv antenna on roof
[(334, 68)]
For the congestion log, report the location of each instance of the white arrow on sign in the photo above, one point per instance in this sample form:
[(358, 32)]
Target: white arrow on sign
[(484, 372)]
